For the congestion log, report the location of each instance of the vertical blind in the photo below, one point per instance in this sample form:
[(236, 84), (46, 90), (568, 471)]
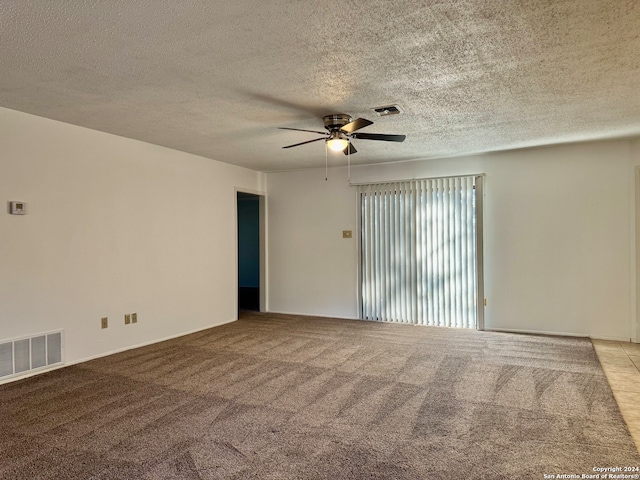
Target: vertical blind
[(418, 255)]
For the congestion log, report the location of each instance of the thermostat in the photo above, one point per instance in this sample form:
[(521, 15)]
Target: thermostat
[(18, 208)]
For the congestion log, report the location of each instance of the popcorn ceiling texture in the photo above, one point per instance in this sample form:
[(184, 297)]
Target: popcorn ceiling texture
[(217, 78)]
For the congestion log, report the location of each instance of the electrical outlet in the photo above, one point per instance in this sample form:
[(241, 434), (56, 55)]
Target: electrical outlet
[(127, 319), (105, 322), (134, 318)]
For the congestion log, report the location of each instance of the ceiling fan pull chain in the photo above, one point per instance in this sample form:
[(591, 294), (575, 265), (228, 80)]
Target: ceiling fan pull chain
[(326, 162), (348, 165)]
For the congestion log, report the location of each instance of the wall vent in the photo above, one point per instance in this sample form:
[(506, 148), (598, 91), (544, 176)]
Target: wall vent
[(27, 354)]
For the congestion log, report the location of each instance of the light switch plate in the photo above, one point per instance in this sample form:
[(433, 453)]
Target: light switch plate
[(127, 319), (346, 234)]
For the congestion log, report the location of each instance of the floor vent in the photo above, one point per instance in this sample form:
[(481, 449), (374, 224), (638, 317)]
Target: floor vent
[(28, 354)]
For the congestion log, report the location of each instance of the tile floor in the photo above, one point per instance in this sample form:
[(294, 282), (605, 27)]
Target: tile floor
[(621, 364)]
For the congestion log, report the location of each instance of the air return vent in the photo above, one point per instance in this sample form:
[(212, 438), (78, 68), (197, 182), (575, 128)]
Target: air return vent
[(28, 354), (388, 110)]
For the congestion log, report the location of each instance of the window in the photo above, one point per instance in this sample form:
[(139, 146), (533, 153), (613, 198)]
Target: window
[(421, 251)]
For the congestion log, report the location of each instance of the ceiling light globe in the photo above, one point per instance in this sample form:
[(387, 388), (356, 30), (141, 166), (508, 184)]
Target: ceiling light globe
[(337, 144)]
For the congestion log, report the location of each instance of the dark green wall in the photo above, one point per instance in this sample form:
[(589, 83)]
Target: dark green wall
[(248, 240)]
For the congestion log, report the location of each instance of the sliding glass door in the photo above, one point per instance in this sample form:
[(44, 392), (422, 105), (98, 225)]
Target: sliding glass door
[(421, 252)]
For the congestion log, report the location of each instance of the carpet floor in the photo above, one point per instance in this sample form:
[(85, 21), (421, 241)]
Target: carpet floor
[(286, 397)]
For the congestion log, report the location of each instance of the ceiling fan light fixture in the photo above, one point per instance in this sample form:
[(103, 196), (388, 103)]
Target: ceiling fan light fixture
[(337, 142)]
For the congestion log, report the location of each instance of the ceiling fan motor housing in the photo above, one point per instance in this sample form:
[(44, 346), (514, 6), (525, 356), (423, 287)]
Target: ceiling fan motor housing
[(336, 121)]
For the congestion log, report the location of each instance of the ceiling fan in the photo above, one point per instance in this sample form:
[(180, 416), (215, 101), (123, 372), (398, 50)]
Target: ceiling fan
[(341, 129)]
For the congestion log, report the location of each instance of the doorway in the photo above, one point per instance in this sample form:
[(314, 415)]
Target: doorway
[(250, 251)]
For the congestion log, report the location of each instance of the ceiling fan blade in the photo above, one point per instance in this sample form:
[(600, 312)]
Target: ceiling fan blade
[(301, 130), (350, 149), (379, 136), (357, 124), (302, 143)]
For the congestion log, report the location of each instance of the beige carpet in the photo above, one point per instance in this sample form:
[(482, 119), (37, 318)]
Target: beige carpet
[(284, 397)]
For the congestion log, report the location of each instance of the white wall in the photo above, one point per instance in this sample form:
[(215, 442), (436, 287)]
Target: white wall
[(114, 226), (557, 237), (312, 269)]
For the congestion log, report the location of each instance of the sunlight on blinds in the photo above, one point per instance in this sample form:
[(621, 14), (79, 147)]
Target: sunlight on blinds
[(418, 252)]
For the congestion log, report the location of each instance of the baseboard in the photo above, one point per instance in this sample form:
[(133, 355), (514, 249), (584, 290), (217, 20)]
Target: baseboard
[(559, 334), (306, 314), (536, 332), (32, 374), (613, 339), (113, 352), (503, 330), (144, 344)]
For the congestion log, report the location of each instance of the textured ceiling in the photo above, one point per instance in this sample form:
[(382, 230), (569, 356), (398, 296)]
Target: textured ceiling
[(217, 78)]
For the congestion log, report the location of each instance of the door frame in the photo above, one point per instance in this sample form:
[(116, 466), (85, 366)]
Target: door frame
[(635, 256)]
